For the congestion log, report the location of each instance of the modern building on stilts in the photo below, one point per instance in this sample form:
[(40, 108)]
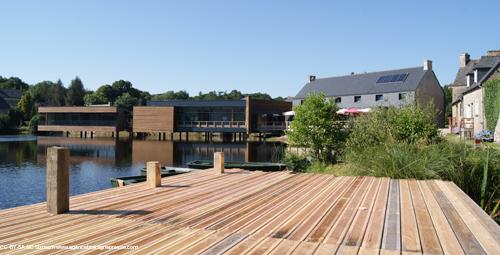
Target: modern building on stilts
[(85, 120), (232, 119)]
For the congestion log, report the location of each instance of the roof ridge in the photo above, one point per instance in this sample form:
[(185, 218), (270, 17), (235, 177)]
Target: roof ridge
[(369, 73)]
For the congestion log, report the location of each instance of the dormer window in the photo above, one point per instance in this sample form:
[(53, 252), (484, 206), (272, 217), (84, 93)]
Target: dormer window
[(338, 100), (475, 76), (468, 80)]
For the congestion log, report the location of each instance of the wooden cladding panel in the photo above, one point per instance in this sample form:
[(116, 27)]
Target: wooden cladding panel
[(153, 119), (270, 106), (78, 109)]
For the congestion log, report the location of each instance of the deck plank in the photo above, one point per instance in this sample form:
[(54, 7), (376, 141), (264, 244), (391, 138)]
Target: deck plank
[(373, 236), (410, 240), (391, 239)]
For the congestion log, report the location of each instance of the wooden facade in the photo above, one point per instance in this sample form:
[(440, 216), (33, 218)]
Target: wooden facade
[(153, 119), (82, 119), (221, 116)]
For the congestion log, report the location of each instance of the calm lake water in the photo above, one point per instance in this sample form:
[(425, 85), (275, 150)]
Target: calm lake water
[(95, 161)]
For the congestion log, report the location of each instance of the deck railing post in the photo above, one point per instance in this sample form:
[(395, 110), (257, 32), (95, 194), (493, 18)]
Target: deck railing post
[(219, 162), (153, 178), (57, 180)]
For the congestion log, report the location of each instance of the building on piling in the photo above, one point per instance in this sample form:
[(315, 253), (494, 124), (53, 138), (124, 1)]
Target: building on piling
[(87, 120), (242, 117)]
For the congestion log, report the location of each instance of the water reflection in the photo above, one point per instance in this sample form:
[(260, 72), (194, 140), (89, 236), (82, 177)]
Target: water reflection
[(94, 161)]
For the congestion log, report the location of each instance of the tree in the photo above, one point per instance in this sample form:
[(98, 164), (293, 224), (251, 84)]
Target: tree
[(94, 98), (48, 93), (126, 101), (76, 93), (13, 83), (258, 95), (316, 126), (26, 105)]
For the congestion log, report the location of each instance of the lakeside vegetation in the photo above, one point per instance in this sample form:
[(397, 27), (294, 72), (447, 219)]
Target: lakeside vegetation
[(401, 143)]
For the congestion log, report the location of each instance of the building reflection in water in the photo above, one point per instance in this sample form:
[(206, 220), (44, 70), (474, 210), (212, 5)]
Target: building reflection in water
[(170, 153)]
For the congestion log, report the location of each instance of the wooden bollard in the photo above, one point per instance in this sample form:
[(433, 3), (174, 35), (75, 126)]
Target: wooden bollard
[(57, 180), (153, 169), (219, 162)]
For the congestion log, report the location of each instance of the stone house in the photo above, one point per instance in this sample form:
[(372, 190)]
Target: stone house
[(468, 93), (384, 88)]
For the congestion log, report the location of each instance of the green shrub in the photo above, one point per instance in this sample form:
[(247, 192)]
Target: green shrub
[(33, 124), (317, 126), (409, 124), (296, 162)]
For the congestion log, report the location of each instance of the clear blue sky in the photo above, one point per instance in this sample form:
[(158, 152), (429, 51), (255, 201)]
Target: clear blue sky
[(266, 46)]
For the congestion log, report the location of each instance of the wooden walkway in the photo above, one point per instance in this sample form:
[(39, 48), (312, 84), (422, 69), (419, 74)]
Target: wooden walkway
[(243, 212)]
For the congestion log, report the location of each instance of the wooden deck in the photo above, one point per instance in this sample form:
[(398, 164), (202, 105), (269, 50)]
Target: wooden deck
[(243, 212)]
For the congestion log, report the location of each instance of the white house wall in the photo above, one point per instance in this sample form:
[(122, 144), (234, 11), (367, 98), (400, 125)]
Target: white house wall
[(473, 108)]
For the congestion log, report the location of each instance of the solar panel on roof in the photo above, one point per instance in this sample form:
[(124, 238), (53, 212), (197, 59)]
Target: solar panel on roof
[(392, 78)]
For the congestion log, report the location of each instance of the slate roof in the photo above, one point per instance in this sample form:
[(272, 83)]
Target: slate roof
[(10, 93), (9, 98), (462, 73), (364, 83), (484, 62)]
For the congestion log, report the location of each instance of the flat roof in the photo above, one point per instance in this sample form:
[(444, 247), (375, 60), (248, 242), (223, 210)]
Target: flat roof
[(199, 103), (242, 212), (77, 109)]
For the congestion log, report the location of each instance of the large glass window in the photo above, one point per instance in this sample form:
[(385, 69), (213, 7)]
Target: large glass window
[(81, 119), (187, 114)]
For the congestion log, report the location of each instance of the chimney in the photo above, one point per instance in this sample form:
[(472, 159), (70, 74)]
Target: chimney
[(312, 78), (427, 64), (464, 59), (493, 53)]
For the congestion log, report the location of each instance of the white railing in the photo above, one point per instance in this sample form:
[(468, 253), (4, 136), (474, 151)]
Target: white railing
[(211, 124), (273, 125)]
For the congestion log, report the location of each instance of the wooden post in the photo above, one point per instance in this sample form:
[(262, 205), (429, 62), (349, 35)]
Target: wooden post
[(219, 162), (153, 174), (57, 180)]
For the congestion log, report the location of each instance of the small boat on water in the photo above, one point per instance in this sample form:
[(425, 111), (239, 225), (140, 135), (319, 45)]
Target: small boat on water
[(263, 166), (169, 169), (122, 181)]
